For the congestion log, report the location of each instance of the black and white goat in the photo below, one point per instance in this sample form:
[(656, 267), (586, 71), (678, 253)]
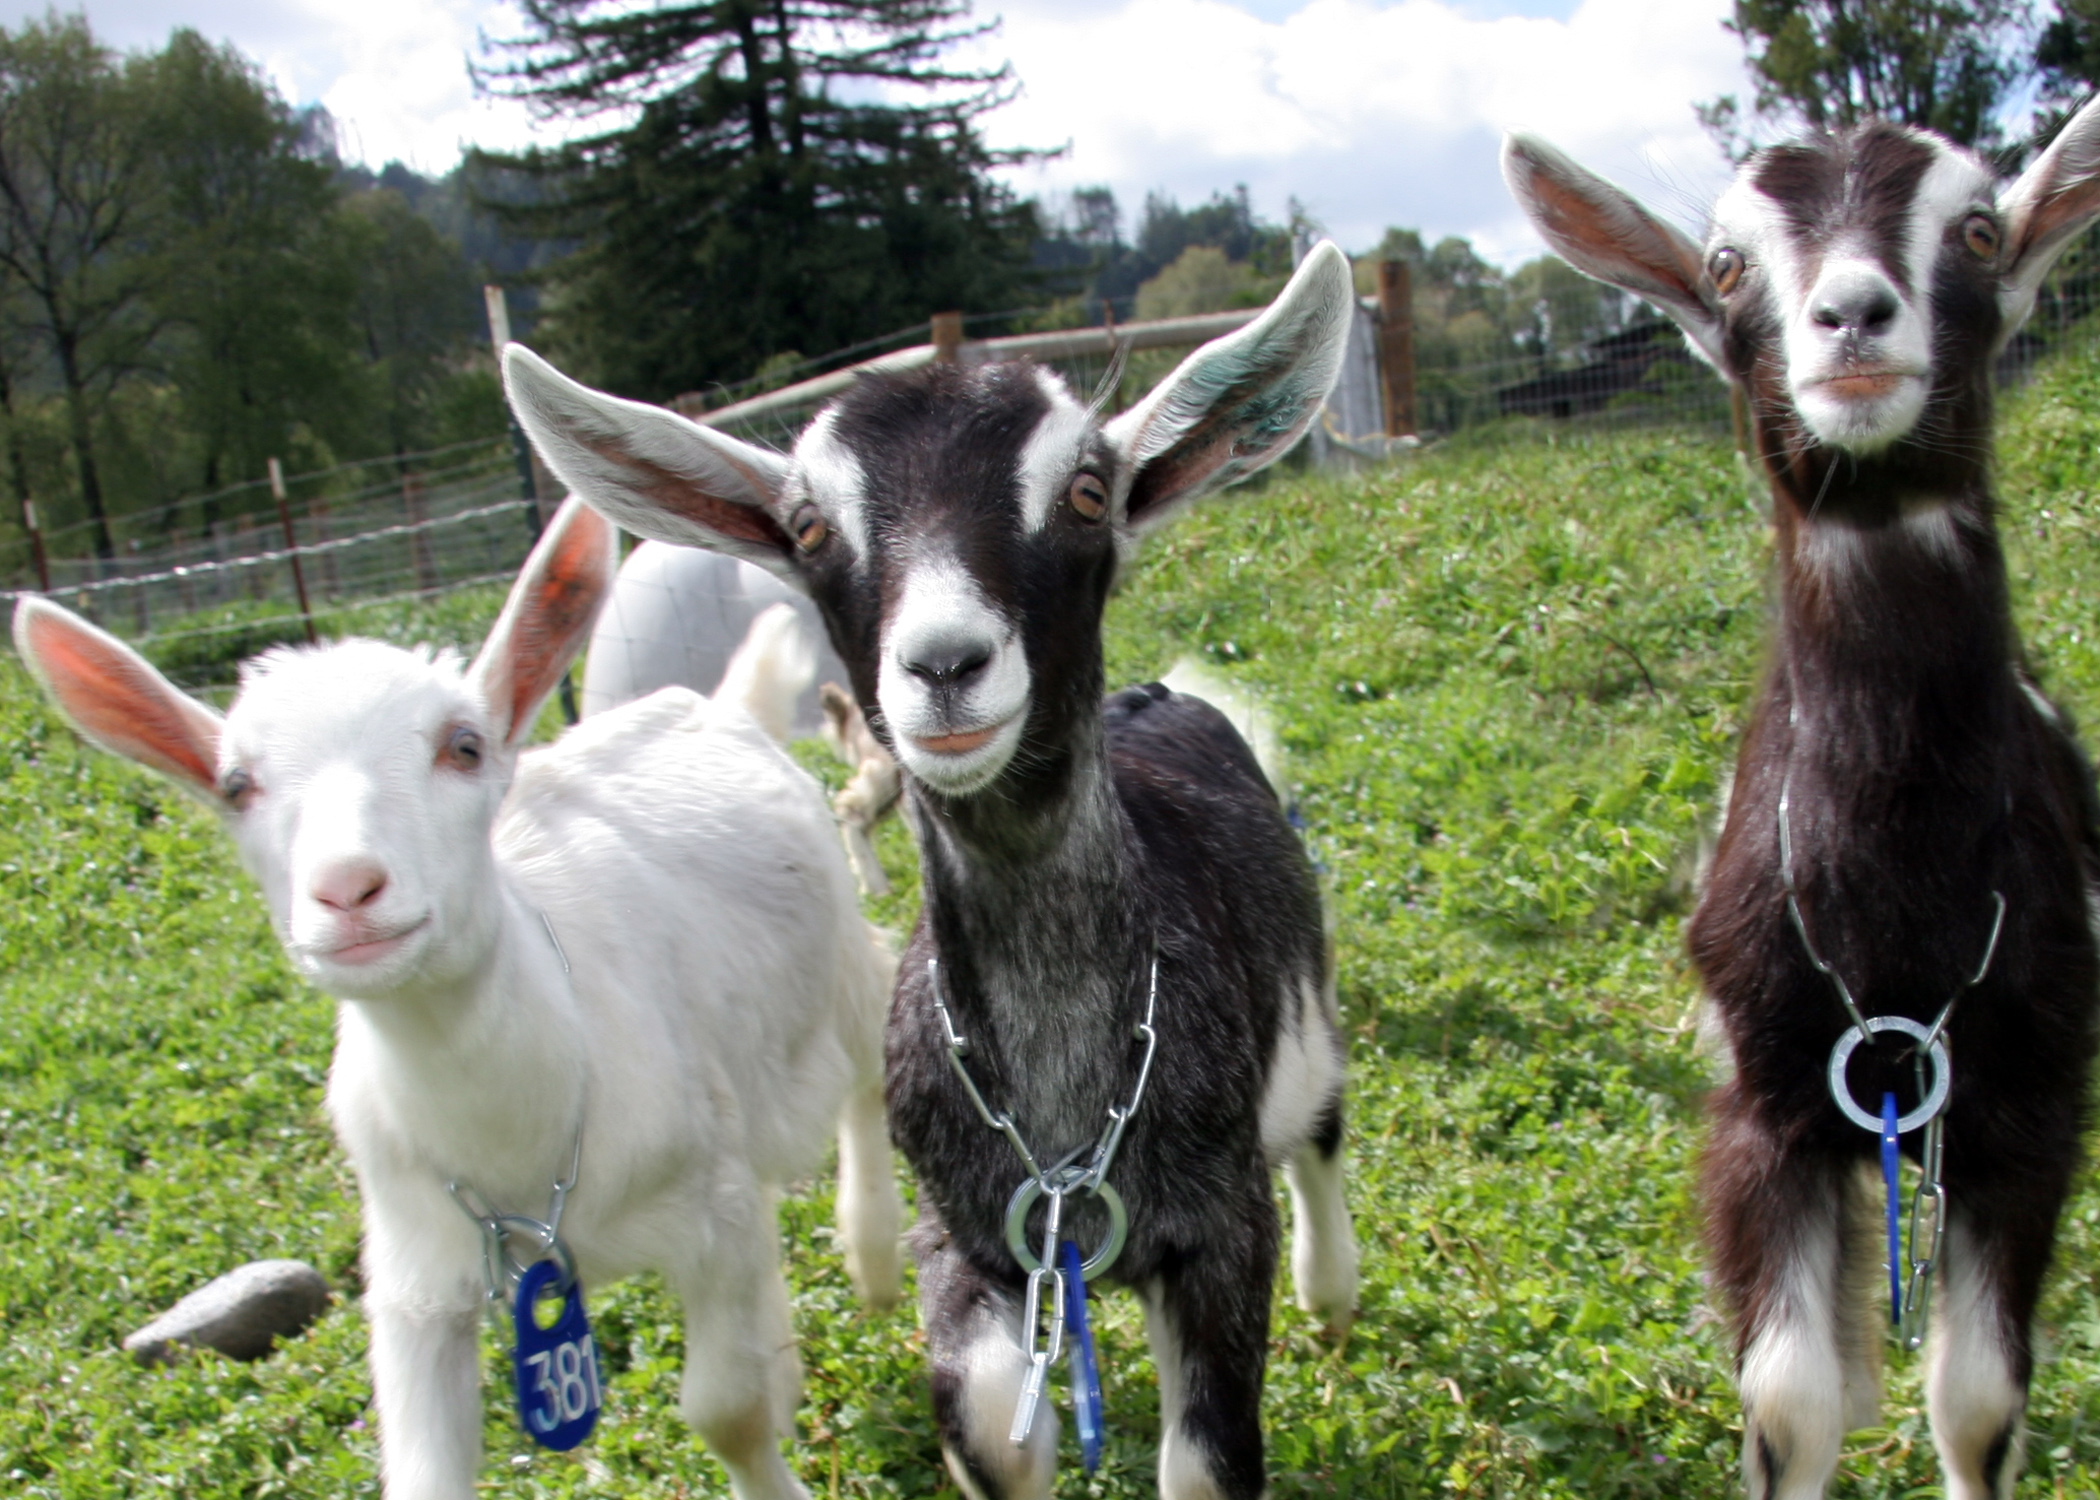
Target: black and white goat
[(959, 529), (1856, 287)]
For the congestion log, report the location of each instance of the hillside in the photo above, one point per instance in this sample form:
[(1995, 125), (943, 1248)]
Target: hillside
[(1508, 675)]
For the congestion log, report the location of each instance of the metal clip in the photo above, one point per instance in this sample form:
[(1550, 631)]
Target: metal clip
[(1928, 1228), (1042, 1353)]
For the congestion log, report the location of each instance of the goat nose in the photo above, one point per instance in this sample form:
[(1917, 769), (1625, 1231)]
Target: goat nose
[(1856, 304), (948, 663), (348, 885)]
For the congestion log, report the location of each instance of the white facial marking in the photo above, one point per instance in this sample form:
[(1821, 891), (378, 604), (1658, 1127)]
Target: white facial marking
[(1955, 186), (1051, 452), (1858, 386), (830, 476), (955, 726)]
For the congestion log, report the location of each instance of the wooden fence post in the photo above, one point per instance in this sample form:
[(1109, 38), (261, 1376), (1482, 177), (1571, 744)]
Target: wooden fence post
[(418, 539), (530, 489), (291, 543), (36, 545), (947, 337), (1396, 346)]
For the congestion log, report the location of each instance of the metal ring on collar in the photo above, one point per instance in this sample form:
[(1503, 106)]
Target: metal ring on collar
[(552, 1247), (1935, 1098), (1024, 1199)]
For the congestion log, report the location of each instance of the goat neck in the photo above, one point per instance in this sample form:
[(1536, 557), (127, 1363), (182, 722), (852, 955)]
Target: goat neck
[(484, 1074)]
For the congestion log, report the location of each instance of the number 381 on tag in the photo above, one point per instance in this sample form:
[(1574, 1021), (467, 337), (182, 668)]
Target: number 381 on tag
[(557, 1368)]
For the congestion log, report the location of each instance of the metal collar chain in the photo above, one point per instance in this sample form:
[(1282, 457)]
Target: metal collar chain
[(1050, 1279), (501, 1271), (1911, 1304)]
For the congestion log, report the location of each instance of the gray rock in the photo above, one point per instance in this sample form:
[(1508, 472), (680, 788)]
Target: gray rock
[(242, 1314)]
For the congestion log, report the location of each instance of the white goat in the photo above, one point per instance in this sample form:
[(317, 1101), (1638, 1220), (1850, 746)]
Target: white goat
[(641, 938)]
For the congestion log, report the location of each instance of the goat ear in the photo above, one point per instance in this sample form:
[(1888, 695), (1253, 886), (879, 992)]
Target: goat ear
[(2048, 205), (1240, 402), (113, 696), (651, 470), (544, 621), (1605, 233)]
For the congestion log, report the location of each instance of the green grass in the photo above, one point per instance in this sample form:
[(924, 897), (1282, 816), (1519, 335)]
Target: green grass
[(1508, 675)]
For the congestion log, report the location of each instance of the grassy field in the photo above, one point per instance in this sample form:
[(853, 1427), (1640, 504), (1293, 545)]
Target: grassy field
[(1508, 676)]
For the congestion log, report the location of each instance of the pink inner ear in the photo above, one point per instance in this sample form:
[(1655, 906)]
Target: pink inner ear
[(1577, 218), (118, 700), (557, 611), (682, 496)]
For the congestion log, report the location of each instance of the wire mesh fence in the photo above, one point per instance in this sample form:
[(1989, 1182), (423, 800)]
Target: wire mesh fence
[(201, 584)]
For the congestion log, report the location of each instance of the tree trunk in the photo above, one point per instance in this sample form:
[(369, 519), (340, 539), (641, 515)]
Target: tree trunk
[(84, 447)]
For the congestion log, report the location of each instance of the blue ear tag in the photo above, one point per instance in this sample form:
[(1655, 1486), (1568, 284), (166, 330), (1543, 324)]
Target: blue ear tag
[(557, 1368), (1891, 1159), (1086, 1375)]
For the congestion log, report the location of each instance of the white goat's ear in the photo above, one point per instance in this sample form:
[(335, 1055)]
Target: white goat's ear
[(1605, 233), (113, 696), (651, 470), (2045, 209), (546, 618), (1238, 403)]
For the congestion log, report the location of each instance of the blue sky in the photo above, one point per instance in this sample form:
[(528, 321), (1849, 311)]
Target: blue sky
[(1369, 112)]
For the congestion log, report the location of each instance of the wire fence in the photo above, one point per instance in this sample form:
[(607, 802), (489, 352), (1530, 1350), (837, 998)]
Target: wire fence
[(205, 582)]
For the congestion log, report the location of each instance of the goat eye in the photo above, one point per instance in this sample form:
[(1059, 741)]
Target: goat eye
[(1089, 496), (1726, 267), (1981, 236), (462, 749), (236, 786), (808, 526)]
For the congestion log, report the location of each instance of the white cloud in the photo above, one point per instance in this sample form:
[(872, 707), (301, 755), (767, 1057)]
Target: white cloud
[(392, 72), (1369, 113)]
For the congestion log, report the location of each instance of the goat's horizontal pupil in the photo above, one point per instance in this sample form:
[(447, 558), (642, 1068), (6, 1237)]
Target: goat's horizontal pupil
[(809, 527), (1088, 497)]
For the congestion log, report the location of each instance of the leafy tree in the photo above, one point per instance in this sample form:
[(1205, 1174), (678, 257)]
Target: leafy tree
[(414, 305), (776, 175), (2067, 53), (1944, 64), (1199, 280), (248, 276), (76, 160)]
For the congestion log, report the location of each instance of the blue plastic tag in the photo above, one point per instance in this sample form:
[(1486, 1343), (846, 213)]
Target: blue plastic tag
[(1086, 1375), (1891, 1160), (557, 1368)]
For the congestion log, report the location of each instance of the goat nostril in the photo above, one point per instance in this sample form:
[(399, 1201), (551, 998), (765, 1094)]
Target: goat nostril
[(1858, 310), (349, 887), (949, 666)]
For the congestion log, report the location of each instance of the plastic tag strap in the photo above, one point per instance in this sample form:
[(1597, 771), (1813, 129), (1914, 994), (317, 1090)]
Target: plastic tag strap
[(1891, 1161), (1086, 1374), (558, 1388)]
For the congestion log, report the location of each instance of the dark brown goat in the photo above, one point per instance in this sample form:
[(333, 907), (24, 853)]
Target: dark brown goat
[(1856, 287)]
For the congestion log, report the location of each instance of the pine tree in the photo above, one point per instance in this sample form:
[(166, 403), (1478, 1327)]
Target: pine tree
[(775, 176)]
